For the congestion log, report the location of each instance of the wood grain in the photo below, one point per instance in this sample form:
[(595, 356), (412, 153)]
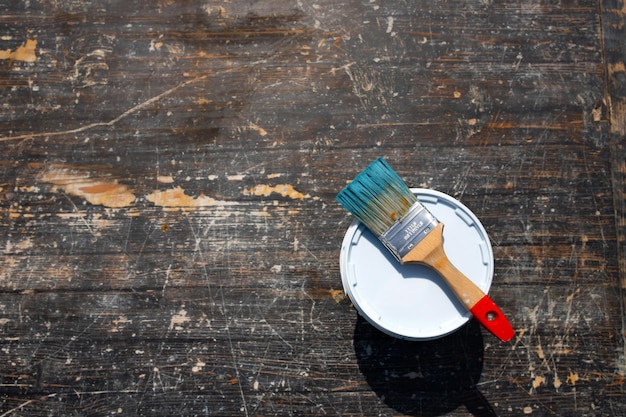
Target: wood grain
[(169, 236)]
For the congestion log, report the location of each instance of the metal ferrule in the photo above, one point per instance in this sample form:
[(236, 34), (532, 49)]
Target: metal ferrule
[(407, 232)]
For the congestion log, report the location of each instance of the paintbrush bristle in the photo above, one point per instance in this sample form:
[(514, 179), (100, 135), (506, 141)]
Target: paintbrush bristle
[(377, 197)]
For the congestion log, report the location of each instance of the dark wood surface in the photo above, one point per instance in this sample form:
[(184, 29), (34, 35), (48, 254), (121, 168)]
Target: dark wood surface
[(169, 235)]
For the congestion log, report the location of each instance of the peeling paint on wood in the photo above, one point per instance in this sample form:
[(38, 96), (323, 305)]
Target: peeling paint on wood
[(99, 191), (23, 53)]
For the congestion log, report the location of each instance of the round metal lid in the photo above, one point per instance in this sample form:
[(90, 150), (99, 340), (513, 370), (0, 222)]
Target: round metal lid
[(412, 301)]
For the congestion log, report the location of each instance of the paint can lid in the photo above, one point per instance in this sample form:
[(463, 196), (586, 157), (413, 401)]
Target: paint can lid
[(411, 301)]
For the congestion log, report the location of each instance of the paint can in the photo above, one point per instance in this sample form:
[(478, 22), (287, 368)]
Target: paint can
[(412, 301)]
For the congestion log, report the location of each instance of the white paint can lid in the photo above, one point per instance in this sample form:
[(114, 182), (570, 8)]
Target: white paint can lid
[(412, 301)]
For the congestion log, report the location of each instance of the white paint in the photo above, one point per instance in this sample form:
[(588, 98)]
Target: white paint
[(389, 24), (179, 319)]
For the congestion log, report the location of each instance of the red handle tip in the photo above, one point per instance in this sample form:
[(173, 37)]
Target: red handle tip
[(493, 319)]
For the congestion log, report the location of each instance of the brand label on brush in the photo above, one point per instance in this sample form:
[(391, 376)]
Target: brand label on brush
[(412, 229), (407, 232)]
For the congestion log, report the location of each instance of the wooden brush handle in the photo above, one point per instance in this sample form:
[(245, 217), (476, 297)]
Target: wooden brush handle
[(430, 252)]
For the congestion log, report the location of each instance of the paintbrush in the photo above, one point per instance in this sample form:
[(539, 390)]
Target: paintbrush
[(380, 200)]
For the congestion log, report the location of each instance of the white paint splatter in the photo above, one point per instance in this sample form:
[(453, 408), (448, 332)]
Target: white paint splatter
[(198, 366), (389, 24), (179, 319)]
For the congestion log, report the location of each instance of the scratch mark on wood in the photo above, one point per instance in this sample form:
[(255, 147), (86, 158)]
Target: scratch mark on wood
[(24, 404), (111, 122), (343, 67), (231, 348)]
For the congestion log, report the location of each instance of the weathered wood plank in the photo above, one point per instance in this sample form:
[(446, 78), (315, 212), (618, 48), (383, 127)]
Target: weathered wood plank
[(169, 237), (614, 33)]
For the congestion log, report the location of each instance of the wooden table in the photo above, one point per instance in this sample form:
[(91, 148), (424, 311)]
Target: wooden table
[(169, 235)]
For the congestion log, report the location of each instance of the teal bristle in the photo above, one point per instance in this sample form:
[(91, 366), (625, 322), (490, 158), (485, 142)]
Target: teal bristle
[(377, 197)]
